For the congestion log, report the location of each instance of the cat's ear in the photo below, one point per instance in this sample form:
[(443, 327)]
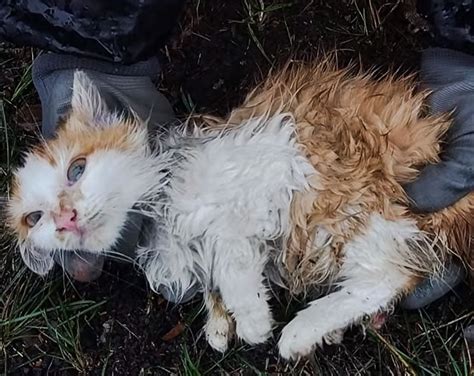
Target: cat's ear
[(38, 261), (86, 99)]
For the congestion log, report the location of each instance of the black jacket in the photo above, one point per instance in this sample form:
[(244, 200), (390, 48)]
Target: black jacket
[(123, 31)]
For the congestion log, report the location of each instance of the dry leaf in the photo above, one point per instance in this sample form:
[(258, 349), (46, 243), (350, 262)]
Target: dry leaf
[(173, 333)]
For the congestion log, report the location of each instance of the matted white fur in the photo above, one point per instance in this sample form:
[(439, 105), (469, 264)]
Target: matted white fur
[(226, 198), (89, 106), (371, 277)]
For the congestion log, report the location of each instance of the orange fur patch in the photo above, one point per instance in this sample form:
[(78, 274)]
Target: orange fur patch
[(86, 139), (365, 137)]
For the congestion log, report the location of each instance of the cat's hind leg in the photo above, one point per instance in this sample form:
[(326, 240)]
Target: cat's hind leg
[(376, 271)]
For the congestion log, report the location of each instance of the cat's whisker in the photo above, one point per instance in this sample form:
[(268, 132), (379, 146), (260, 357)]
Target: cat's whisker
[(154, 203), (144, 207), (149, 214), (76, 253), (115, 255), (93, 201), (150, 202), (148, 251), (94, 216)]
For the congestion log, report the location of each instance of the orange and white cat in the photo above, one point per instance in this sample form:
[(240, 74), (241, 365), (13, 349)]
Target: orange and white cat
[(307, 174)]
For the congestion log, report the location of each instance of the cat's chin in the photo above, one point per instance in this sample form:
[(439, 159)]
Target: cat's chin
[(90, 246), (92, 239), (87, 241)]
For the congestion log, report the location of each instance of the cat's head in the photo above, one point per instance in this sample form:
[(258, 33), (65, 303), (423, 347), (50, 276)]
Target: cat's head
[(74, 192)]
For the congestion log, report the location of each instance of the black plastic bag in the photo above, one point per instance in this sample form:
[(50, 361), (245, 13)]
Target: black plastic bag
[(124, 31)]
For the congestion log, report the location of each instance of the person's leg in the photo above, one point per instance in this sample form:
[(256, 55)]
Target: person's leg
[(450, 75)]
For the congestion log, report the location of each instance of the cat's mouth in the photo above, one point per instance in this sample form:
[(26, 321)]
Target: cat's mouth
[(78, 237), (72, 240), (76, 261), (81, 265)]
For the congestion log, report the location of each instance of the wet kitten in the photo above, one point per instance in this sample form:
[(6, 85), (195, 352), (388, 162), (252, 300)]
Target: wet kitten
[(306, 174), (74, 192)]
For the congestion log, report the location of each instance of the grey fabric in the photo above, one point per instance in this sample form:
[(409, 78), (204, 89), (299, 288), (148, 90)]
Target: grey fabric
[(50, 62), (434, 288), (122, 87), (450, 74)]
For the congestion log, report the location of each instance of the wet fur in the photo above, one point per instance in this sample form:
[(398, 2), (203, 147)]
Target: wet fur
[(365, 137), (306, 174)]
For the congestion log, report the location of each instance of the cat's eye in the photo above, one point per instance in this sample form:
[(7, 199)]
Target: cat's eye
[(76, 169), (33, 218)]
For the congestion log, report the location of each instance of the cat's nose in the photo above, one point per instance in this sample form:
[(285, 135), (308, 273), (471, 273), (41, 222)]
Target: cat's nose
[(66, 220)]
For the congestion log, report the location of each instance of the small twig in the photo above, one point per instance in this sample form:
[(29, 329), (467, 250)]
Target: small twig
[(128, 330)]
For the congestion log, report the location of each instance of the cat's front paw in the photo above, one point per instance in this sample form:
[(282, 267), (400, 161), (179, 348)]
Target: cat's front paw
[(255, 327), (298, 340), (219, 331)]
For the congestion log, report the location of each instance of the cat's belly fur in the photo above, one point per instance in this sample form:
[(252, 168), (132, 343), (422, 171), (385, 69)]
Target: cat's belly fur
[(239, 184), (233, 191)]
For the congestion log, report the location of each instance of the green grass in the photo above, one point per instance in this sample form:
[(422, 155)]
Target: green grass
[(255, 16), (23, 86), (437, 348), (189, 367), (35, 312)]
